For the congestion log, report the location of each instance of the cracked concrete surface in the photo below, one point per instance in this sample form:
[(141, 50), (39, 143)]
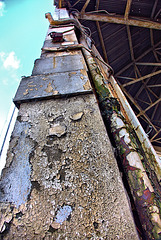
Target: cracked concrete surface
[(61, 179)]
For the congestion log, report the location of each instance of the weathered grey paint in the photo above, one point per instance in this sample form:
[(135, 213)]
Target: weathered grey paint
[(50, 85), (59, 64)]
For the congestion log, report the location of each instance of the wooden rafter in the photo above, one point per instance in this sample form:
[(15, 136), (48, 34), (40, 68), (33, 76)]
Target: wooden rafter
[(130, 44), (155, 85), (154, 8), (152, 44), (155, 109), (155, 134), (139, 22), (127, 10), (97, 4), (140, 100), (142, 78), (85, 6), (137, 59), (148, 64), (138, 107), (75, 3), (145, 85), (100, 34), (145, 110), (148, 95), (101, 41)]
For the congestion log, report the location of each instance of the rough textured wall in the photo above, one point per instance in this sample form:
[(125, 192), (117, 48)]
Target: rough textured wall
[(61, 177)]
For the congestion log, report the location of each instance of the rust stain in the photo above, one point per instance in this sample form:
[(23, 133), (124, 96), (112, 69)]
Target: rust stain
[(83, 72), (26, 92), (55, 92), (49, 88), (41, 86), (70, 74), (54, 62), (31, 89), (31, 85), (87, 85)]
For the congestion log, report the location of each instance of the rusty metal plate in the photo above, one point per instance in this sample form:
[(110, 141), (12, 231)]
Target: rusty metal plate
[(52, 85), (59, 64)]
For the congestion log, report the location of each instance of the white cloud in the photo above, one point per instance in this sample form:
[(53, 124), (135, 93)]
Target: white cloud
[(2, 6), (10, 60)]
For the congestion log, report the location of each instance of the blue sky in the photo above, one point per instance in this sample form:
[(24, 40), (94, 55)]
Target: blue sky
[(22, 31)]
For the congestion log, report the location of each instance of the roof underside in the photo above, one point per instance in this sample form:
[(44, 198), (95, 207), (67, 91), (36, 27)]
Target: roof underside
[(128, 36)]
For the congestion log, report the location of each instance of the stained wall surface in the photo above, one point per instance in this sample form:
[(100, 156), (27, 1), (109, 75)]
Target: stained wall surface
[(62, 177)]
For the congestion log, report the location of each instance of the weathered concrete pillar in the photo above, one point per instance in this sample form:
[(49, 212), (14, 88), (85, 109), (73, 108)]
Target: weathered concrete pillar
[(61, 179)]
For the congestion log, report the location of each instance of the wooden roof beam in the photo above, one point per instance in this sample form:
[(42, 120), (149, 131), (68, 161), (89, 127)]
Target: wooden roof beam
[(127, 11), (145, 85), (154, 8), (138, 107), (85, 6), (153, 104), (142, 78), (148, 64), (137, 59), (102, 42), (119, 20)]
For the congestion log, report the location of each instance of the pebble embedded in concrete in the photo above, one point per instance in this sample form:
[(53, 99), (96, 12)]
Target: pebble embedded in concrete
[(57, 129), (76, 116)]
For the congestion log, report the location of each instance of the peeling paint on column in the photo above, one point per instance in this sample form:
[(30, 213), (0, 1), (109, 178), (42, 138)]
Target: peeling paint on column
[(76, 191), (18, 185)]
